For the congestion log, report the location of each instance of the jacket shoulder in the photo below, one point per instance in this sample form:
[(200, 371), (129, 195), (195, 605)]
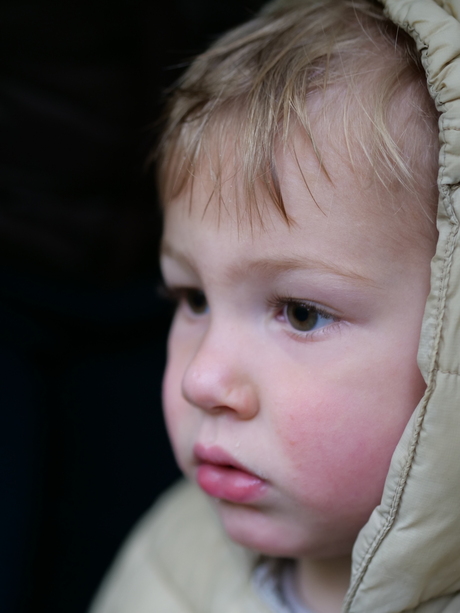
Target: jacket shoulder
[(179, 560)]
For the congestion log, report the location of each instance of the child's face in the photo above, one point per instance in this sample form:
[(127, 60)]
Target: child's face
[(290, 381)]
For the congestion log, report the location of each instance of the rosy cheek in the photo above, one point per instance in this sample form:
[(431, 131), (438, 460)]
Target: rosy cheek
[(174, 410), (334, 450), (168, 394), (172, 380)]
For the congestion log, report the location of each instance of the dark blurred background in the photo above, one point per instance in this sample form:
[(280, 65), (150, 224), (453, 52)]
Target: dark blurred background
[(83, 451)]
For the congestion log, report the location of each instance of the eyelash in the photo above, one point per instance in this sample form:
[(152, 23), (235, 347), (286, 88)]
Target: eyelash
[(277, 303), (177, 295)]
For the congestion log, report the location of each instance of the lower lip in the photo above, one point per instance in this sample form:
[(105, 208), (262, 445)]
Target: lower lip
[(230, 484)]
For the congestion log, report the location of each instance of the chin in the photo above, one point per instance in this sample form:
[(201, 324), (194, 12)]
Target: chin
[(281, 538), (250, 527)]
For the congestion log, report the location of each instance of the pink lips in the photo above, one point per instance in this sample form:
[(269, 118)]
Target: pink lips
[(221, 476)]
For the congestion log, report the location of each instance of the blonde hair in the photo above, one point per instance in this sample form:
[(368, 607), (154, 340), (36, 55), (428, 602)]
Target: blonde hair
[(255, 83)]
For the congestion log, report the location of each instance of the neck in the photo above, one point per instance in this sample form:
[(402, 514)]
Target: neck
[(322, 584)]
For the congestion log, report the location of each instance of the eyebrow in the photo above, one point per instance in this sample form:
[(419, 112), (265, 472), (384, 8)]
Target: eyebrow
[(274, 266)]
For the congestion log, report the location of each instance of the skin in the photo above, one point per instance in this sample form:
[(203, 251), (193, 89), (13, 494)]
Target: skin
[(316, 414)]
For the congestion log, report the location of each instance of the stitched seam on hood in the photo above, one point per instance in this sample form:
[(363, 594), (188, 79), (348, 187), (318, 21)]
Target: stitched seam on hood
[(445, 198)]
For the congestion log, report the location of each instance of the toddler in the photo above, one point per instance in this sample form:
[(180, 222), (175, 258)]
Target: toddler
[(316, 425)]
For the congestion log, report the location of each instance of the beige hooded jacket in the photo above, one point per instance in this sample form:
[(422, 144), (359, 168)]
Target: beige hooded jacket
[(407, 557)]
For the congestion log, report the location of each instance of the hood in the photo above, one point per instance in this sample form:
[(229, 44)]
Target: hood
[(407, 557)]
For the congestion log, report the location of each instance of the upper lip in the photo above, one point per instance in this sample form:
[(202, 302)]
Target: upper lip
[(218, 456)]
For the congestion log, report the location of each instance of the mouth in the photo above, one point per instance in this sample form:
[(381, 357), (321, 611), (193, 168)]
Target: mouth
[(221, 476)]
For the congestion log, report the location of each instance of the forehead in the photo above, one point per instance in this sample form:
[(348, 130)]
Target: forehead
[(338, 221), (335, 205)]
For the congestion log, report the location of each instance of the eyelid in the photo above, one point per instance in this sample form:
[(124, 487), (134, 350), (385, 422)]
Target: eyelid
[(168, 293), (278, 302), (182, 296)]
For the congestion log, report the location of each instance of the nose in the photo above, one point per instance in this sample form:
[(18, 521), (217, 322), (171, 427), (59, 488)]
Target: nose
[(217, 381)]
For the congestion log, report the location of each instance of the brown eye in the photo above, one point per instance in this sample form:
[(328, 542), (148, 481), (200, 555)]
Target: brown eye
[(301, 316), (196, 301)]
